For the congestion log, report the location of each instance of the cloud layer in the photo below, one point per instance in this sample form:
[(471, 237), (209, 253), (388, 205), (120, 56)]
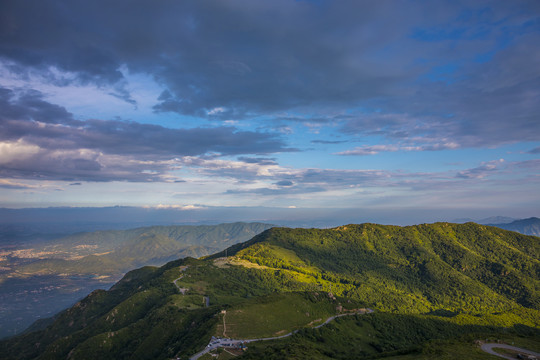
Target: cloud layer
[(465, 73), (44, 141), (251, 100)]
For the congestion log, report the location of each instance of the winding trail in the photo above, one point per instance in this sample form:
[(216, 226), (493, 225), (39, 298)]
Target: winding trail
[(237, 342), (182, 290), (490, 346), (224, 325)]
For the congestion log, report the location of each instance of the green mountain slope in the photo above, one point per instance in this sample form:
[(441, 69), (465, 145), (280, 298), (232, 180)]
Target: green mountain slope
[(465, 267), (58, 272), (440, 282), (106, 252)]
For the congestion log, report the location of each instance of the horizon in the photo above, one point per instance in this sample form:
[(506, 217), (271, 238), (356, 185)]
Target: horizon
[(75, 219), (392, 112)]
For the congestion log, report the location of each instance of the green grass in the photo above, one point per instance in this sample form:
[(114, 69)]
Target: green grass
[(226, 356), (187, 302), (276, 315), (221, 355), (382, 335)]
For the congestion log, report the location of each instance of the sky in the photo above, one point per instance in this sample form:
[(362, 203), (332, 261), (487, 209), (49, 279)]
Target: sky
[(411, 107)]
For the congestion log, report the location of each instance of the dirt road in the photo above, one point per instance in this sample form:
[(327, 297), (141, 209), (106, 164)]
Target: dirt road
[(490, 346)]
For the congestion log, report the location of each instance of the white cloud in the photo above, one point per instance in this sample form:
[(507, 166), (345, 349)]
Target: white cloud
[(235, 169), (369, 150), (178, 207), (216, 111), (16, 151), (9, 184), (375, 149)]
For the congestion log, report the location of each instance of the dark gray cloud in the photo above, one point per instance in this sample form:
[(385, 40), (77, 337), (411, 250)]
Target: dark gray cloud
[(226, 54), (30, 106), (284, 183), (482, 104), (260, 161), (466, 73), (31, 118), (43, 140), (66, 165)]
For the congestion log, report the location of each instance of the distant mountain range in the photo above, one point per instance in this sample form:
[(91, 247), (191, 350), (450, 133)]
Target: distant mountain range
[(118, 251), (489, 220), (530, 226), (52, 274), (434, 290)]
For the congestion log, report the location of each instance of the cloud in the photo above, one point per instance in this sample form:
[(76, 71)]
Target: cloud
[(268, 191), (274, 179), (284, 183), (481, 171), (43, 141), (369, 150), (261, 161), (328, 142), (375, 149), (472, 79), (16, 151), (9, 184), (239, 170), (78, 164), (533, 165), (179, 207), (232, 90), (299, 63)]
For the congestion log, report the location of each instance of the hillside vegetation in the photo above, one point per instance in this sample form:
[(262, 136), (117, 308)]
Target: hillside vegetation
[(55, 273), (433, 287), (118, 251)]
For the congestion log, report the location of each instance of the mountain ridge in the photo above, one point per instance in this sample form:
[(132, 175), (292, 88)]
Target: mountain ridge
[(55, 273), (529, 226), (449, 280)]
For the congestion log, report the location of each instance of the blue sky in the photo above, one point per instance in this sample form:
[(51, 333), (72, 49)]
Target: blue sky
[(409, 106)]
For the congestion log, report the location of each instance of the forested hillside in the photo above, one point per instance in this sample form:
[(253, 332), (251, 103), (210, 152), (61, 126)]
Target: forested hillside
[(106, 252), (54, 273), (433, 288)]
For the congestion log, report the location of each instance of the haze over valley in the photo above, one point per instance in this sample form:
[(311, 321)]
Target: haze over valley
[(38, 278)]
